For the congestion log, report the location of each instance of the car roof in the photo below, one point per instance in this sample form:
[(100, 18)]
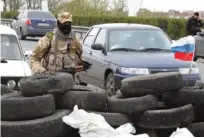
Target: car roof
[(125, 26), (7, 30)]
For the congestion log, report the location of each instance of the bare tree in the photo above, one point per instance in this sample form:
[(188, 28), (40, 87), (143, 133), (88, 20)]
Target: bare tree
[(119, 6), (93, 7), (5, 5), (98, 7), (53, 4), (34, 4), (14, 5), (76, 7)]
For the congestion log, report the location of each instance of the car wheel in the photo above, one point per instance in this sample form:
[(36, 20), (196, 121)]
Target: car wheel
[(195, 58), (22, 36), (110, 85)]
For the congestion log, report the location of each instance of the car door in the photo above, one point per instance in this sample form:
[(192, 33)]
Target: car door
[(199, 45), (97, 59), (16, 26), (87, 42)]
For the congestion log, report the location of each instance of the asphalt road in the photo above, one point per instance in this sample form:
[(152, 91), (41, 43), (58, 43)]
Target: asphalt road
[(30, 43)]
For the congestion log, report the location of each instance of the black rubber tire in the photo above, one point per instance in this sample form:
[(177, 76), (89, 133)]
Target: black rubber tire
[(131, 105), (119, 95), (199, 84), (51, 126), (81, 88), (46, 84), (110, 85), (150, 132), (15, 107), (5, 90), (87, 100), (161, 105), (163, 119), (154, 84), (58, 97), (197, 129), (183, 97), (114, 119), (187, 96)]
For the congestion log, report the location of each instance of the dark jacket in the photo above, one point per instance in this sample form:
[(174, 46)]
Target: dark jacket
[(193, 26)]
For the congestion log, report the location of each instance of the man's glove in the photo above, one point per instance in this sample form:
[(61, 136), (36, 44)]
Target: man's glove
[(86, 65), (79, 68)]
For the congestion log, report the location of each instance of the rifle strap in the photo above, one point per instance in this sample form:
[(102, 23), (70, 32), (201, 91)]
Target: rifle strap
[(55, 52), (50, 36)]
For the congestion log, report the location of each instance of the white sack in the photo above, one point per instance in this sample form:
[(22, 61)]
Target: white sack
[(95, 125), (182, 133)]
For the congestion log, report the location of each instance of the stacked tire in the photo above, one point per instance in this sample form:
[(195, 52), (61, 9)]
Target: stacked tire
[(156, 104), (32, 112), (93, 101), (43, 100), (140, 97), (192, 96)]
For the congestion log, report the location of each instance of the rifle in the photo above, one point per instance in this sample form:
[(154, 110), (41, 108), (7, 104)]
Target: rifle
[(72, 70)]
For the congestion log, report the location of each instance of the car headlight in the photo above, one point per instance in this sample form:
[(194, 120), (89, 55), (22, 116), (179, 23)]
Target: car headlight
[(11, 84), (192, 71), (140, 71)]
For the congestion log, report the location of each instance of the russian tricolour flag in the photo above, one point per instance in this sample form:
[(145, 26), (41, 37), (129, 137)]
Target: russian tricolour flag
[(184, 48)]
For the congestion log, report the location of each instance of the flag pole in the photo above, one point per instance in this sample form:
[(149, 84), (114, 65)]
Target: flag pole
[(191, 65), (189, 73)]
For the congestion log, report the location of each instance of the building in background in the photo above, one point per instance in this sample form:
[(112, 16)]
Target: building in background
[(186, 14), (174, 14), (170, 14), (201, 14)]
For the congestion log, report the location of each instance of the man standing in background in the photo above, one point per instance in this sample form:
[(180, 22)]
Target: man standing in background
[(194, 25)]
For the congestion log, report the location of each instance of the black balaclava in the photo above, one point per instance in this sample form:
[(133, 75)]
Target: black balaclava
[(65, 27)]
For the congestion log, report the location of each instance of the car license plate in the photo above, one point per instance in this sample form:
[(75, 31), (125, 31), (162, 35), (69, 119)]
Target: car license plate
[(43, 24)]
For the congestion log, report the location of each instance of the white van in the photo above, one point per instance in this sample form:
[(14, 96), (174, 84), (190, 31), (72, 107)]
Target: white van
[(13, 66)]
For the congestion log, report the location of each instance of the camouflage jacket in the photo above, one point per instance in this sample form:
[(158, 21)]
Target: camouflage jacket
[(52, 54)]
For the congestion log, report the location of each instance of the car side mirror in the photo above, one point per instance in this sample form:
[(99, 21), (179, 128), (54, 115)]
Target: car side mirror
[(97, 47), (27, 54)]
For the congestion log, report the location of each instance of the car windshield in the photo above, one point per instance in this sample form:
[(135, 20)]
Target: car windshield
[(139, 40), (40, 14), (10, 48)]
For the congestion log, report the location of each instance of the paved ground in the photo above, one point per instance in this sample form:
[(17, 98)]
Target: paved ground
[(29, 44)]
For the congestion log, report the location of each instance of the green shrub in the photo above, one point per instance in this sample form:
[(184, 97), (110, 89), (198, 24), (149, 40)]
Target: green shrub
[(8, 15), (175, 28)]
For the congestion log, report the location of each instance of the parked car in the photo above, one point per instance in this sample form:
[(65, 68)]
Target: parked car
[(117, 51), (34, 23), (199, 51), (13, 65)]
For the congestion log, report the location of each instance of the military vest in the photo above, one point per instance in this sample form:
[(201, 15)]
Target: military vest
[(61, 54)]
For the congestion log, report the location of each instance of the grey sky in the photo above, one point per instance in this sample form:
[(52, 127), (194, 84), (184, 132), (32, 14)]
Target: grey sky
[(168, 4)]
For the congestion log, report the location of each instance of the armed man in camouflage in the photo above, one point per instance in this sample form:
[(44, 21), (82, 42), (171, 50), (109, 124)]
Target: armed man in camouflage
[(57, 50)]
